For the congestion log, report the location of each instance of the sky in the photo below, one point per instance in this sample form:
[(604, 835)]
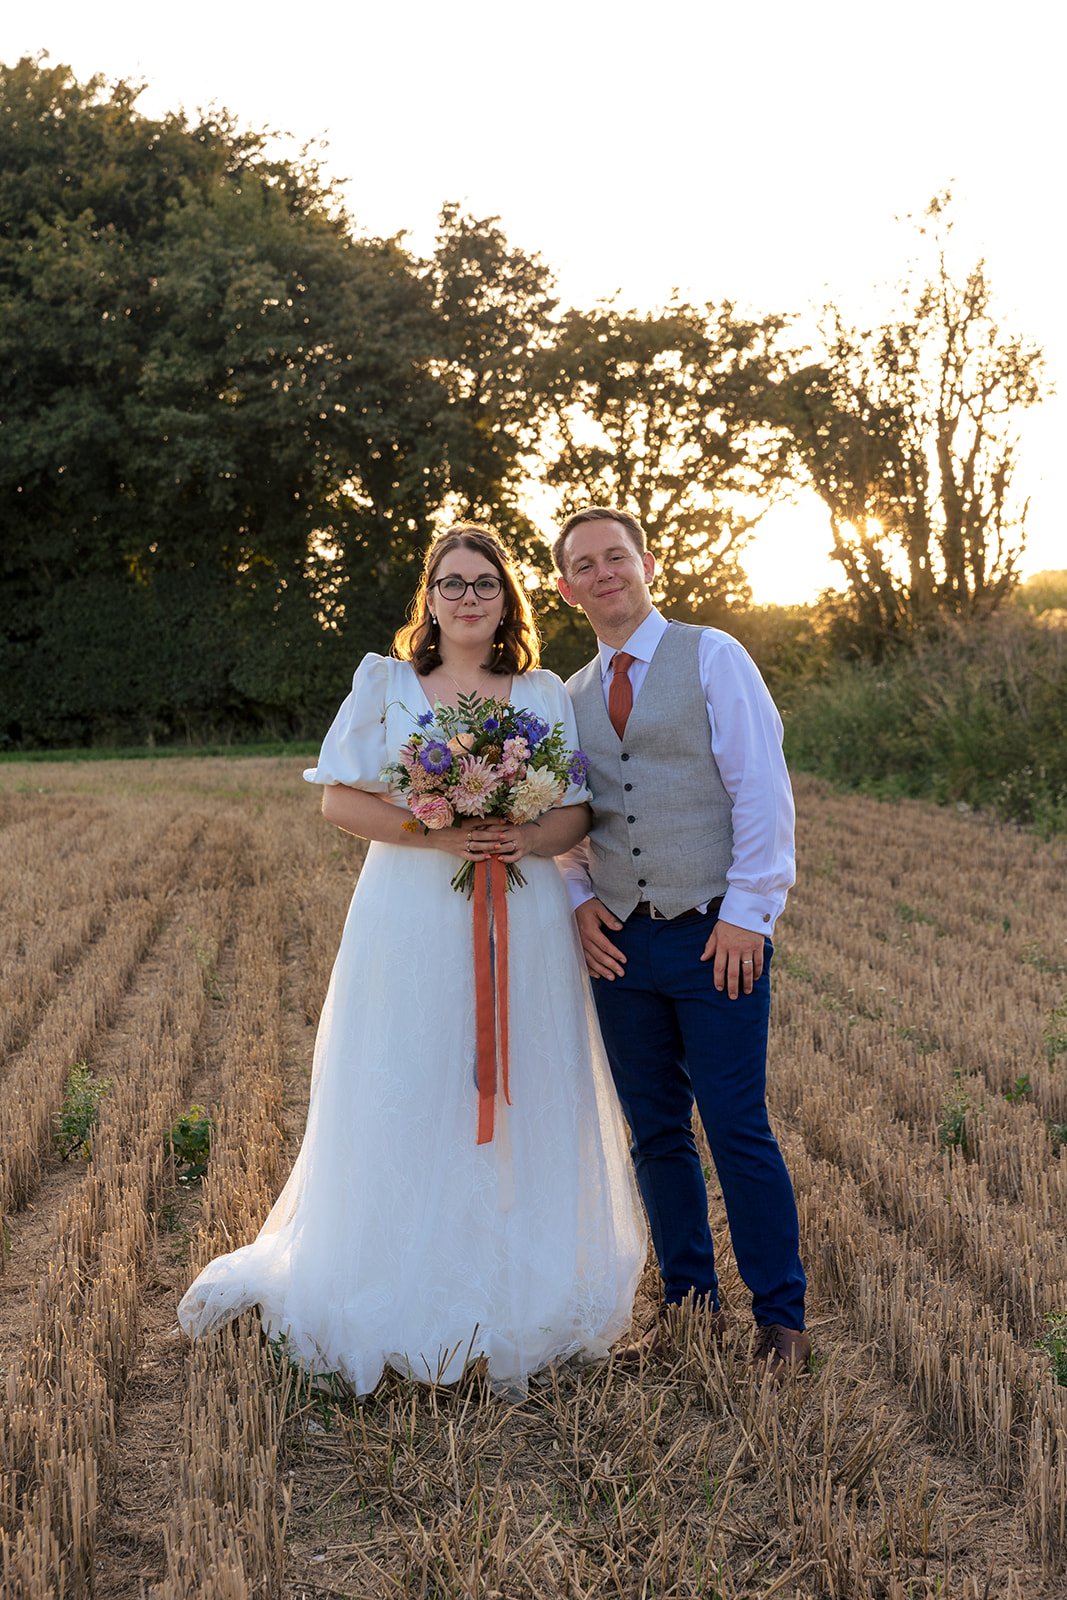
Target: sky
[(764, 154)]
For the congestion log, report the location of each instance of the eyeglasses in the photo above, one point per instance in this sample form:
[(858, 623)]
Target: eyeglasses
[(486, 587)]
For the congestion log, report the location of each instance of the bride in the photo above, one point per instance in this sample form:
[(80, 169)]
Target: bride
[(398, 1237)]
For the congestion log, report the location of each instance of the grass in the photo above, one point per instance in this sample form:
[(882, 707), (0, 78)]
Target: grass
[(141, 752)]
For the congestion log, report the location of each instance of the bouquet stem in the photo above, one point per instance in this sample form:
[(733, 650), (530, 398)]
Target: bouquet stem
[(463, 880)]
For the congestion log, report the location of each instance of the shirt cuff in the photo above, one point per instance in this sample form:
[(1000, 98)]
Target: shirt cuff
[(756, 912), (579, 893)]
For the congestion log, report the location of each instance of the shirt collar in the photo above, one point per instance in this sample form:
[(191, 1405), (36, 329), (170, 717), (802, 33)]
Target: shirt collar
[(641, 644)]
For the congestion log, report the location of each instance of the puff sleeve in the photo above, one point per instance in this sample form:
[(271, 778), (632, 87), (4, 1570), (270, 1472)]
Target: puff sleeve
[(354, 750)]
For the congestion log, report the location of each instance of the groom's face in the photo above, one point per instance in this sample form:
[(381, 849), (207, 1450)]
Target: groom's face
[(608, 578)]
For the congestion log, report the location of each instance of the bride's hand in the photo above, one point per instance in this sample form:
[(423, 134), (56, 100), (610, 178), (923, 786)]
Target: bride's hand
[(509, 841), (468, 840)]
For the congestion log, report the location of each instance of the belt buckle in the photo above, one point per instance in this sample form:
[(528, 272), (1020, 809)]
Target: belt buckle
[(657, 916)]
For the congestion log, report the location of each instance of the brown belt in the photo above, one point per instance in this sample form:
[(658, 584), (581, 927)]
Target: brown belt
[(645, 908)]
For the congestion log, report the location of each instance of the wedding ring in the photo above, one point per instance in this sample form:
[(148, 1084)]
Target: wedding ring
[(747, 963)]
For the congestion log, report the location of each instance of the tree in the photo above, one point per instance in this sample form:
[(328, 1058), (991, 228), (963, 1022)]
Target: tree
[(492, 304), (907, 431), (660, 414), (221, 420)]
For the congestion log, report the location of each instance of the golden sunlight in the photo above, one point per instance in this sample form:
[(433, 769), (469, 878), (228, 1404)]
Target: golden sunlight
[(788, 559)]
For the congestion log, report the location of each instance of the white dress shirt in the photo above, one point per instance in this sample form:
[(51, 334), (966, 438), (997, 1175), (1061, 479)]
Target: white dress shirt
[(746, 741)]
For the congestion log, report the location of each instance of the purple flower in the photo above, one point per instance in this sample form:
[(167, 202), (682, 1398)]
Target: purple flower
[(578, 770), (532, 729), (436, 757), (491, 724), (425, 719)]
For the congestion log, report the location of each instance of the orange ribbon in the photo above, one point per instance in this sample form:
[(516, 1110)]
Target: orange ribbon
[(490, 999)]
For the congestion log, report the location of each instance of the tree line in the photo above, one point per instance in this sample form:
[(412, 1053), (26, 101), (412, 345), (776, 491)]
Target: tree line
[(229, 424)]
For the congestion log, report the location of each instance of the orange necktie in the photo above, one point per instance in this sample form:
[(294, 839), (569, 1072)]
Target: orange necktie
[(620, 694)]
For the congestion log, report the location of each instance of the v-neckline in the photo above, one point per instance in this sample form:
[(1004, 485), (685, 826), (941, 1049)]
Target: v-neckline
[(433, 704)]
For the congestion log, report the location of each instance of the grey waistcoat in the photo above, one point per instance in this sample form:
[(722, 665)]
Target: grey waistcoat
[(662, 821)]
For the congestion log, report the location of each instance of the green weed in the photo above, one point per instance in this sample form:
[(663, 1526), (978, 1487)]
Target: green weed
[(80, 1111), (1054, 1343), (1055, 1032), (1035, 956), (189, 1142), (909, 914), (956, 1131)]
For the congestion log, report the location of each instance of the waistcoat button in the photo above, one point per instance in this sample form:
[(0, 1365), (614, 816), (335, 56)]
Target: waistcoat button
[(636, 850), (631, 819)]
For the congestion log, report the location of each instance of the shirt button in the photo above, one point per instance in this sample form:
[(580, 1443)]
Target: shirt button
[(636, 850), (766, 916)]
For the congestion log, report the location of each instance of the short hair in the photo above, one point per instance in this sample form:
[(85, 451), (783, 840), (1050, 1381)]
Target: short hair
[(634, 530), (517, 647)]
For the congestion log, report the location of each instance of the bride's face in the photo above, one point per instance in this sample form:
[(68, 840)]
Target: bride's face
[(469, 618)]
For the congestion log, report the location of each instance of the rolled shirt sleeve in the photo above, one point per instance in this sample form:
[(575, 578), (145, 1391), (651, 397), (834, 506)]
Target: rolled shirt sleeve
[(746, 741)]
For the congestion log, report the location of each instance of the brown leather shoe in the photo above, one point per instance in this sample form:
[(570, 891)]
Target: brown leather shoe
[(784, 1351)]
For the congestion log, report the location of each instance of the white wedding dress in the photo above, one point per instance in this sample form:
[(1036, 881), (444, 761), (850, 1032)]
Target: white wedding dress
[(397, 1238)]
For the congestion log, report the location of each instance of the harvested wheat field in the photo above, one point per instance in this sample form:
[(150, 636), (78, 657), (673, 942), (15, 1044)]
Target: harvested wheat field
[(171, 925)]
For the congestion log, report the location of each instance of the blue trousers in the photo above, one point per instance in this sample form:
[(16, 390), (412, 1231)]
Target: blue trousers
[(673, 1038)]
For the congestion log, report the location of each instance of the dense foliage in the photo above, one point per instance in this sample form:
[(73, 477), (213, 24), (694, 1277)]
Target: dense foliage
[(231, 423), (972, 714)]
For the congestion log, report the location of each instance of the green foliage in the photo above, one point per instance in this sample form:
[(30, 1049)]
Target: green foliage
[(1020, 1090), (906, 431), (660, 413), (78, 1116), (1054, 1344), (909, 914), (956, 1131), (1044, 595), (316, 1395), (1056, 1032), (230, 425), (974, 714), (1035, 955), (189, 1143)]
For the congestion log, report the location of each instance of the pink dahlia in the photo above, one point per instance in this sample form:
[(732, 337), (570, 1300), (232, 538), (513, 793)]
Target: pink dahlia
[(476, 786)]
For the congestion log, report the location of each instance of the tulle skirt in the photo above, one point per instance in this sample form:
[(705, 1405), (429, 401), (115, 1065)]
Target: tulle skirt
[(397, 1238)]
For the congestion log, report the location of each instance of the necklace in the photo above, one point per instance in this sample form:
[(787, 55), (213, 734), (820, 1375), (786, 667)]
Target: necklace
[(464, 693)]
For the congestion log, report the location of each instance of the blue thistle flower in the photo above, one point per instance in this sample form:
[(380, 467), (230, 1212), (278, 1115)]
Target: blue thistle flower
[(425, 719)]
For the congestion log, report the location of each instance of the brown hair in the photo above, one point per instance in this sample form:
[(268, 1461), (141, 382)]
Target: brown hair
[(598, 514), (517, 646)]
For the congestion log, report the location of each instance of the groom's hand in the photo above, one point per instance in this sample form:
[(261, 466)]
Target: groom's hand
[(738, 957), (604, 959)]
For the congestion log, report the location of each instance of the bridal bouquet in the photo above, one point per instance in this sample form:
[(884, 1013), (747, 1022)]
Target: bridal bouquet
[(483, 758)]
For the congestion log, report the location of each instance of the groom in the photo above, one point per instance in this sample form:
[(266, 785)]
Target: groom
[(676, 893)]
